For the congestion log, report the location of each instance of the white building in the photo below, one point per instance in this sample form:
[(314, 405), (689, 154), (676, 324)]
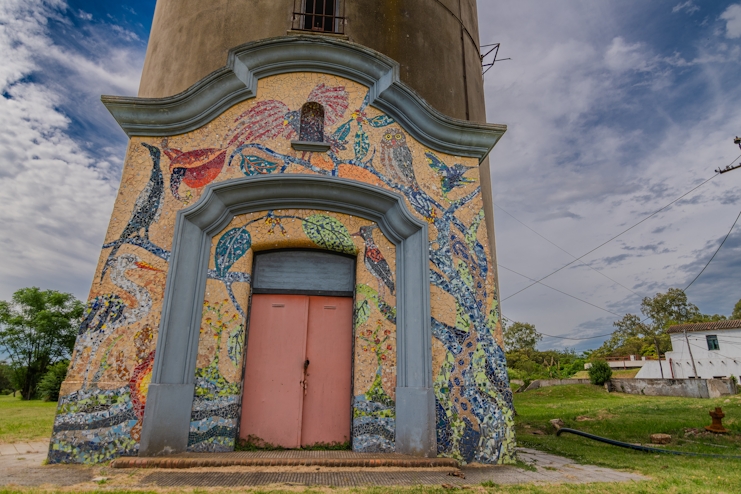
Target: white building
[(715, 348)]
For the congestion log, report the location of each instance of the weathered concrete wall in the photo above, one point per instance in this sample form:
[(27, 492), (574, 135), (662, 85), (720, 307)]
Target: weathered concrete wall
[(435, 42), (721, 387), (545, 383), (686, 388)]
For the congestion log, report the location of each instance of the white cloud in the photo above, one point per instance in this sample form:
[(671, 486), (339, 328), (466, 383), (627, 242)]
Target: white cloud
[(732, 16), (621, 56), (688, 6), (605, 127), (84, 15), (56, 193), (125, 33)]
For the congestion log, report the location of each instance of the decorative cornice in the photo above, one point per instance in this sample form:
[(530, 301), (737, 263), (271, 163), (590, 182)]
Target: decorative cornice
[(237, 82)]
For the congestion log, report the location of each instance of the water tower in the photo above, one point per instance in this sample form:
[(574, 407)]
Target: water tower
[(302, 248)]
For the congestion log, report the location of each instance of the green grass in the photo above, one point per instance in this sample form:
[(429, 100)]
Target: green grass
[(628, 418), (632, 419), (22, 421), (616, 373)]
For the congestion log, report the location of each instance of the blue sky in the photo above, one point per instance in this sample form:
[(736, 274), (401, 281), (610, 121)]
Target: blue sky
[(614, 108)]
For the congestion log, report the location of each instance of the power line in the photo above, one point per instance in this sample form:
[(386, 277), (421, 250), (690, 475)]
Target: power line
[(562, 337), (562, 249), (619, 234), (716, 251), (565, 338), (535, 282), (560, 291)]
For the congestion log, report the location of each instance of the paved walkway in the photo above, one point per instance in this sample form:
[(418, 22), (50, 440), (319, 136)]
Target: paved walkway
[(23, 448), (27, 470)]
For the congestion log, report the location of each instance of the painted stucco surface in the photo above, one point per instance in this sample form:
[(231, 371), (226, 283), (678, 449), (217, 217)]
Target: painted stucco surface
[(104, 396)]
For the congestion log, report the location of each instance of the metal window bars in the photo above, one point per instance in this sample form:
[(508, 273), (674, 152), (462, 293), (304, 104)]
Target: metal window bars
[(324, 16)]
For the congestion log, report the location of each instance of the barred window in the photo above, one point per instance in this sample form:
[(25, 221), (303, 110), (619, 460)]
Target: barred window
[(318, 15)]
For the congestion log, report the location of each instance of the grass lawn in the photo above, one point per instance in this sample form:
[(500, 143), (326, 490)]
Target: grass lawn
[(22, 421), (616, 373), (632, 419), (628, 418)]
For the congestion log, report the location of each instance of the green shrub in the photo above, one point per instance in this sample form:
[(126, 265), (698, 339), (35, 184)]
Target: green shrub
[(49, 386), (6, 392), (600, 372)]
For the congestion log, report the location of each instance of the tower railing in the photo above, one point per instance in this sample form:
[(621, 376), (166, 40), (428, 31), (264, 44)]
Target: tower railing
[(325, 16)]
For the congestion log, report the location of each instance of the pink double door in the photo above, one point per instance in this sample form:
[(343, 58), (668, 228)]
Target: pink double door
[(297, 378)]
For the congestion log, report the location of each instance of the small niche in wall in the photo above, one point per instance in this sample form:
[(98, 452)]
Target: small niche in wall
[(311, 130)]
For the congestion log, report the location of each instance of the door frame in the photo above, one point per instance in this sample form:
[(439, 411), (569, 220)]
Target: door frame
[(308, 293), (169, 400)]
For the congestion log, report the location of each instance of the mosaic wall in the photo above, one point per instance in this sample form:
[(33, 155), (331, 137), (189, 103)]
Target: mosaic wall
[(100, 413), (216, 405)]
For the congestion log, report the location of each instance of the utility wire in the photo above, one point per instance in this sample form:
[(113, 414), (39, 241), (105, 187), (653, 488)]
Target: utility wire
[(716, 252), (535, 282), (619, 234), (562, 337), (562, 249), (560, 291)]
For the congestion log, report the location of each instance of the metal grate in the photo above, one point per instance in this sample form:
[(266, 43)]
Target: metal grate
[(324, 16)]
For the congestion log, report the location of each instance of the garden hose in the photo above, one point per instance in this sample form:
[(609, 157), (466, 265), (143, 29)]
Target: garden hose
[(638, 447)]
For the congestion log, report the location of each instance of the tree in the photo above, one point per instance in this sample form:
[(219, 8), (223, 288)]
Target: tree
[(51, 383), (600, 372), (37, 329), (647, 336), (666, 309), (736, 311), (520, 336), (6, 380)]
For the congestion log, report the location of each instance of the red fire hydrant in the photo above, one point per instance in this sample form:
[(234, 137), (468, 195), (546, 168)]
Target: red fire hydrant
[(717, 425)]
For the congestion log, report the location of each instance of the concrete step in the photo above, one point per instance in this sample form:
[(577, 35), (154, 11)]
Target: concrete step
[(285, 459)]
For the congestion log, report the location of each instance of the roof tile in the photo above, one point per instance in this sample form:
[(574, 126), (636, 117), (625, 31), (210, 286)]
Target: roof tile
[(706, 326)]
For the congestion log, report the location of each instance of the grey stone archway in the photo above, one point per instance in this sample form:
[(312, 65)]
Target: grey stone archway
[(170, 397)]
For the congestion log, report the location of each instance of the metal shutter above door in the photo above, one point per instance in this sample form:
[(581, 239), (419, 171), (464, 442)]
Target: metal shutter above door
[(308, 272)]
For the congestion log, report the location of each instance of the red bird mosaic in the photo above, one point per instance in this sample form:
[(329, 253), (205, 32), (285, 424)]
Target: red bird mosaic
[(196, 168)]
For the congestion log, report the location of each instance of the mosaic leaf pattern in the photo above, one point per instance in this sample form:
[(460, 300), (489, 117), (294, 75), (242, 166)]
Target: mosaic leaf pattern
[(255, 165), (362, 144), (231, 247), (329, 234), (362, 312), (342, 131), (235, 345), (381, 121)]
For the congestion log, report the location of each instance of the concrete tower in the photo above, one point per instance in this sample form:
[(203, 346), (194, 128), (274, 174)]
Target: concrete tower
[(435, 42), (302, 249)]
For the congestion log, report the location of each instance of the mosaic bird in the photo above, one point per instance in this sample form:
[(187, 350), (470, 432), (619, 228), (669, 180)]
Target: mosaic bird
[(196, 168), (374, 260), (450, 176), (272, 118), (147, 208), (107, 312), (396, 158)]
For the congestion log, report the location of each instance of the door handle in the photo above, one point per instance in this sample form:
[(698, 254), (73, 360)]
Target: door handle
[(304, 383)]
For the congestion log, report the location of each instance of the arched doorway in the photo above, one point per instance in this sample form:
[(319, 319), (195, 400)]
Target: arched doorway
[(170, 396), (298, 371)]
